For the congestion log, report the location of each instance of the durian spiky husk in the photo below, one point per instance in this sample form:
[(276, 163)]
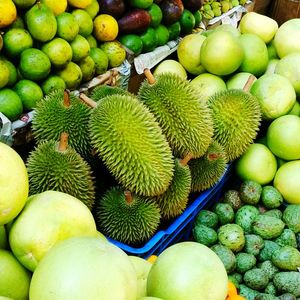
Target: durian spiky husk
[(184, 118), (126, 222), (236, 116), (131, 144), (174, 200), (63, 171), (208, 169), (102, 91), (52, 117)]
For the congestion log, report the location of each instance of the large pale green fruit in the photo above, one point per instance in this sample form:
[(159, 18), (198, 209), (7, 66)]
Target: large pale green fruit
[(275, 94), (221, 53), (283, 137), (287, 181), (14, 278), (238, 81), (189, 53), (84, 268), (272, 66), (260, 25), (48, 218), (289, 67), (287, 38), (13, 184), (170, 66), (188, 271), (3, 238), (258, 163), (256, 54)]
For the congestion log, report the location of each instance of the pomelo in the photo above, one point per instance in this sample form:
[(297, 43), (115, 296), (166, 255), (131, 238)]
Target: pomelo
[(295, 110), (85, 268), (238, 81), (171, 66), (221, 53), (258, 163), (287, 181), (229, 28), (3, 238), (275, 94), (188, 271), (283, 137), (272, 66), (272, 50)]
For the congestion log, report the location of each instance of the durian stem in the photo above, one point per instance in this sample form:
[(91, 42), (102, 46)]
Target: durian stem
[(248, 84), (67, 102), (63, 143), (149, 76), (186, 159), (128, 197), (87, 100)]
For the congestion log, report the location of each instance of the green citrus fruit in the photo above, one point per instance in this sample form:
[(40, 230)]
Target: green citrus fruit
[(10, 104), (87, 66), (80, 47), (34, 64), (18, 23), (174, 30), (29, 92), (92, 41), (162, 34), (71, 75), (140, 3), (4, 74), (115, 53), (101, 60), (67, 27), (24, 3), (13, 75), (155, 14), (52, 83), (149, 39), (16, 40), (198, 18), (133, 42), (84, 22), (93, 9), (59, 52), (187, 21)]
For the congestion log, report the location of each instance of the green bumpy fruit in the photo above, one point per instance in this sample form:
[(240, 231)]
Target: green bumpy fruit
[(248, 293), (174, 200), (268, 267), (207, 218), (276, 213), (245, 217), (105, 90), (268, 250), (127, 218), (253, 244), (236, 118), (245, 262), (271, 289), (62, 171), (185, 120), (271, 197), (52, 117), (250, 192), (286, 258), (205, 235), (131, 144), (224, 212), (233, 199), (291, 217), (267, 227), (208, 169), (256, 279), (287, 238), (226, 256), (232, 236), (288, 282)]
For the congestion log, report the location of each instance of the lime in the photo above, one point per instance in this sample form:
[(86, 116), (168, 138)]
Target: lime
[(149, 40), (16, 40), (93, 9), (67, 27), (87, 66), (155, 14), (24, 3), (18, 23), (174, 30), (133, 42), (59, 52), (162, 34), (29, 92), (13, 75), (10, 104), (115, 53), (71, 75), (140, 3), (92, 41), (52, 83), (34, 64), (198, 18), (84, 22), (4, 74), (80, 47), (101, 60), (187, 21)]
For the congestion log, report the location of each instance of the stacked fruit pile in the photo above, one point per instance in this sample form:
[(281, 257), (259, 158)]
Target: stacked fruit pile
[(256, 237)]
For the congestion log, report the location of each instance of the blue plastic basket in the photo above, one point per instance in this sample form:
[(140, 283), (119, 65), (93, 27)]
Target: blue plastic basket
[(180, 228)]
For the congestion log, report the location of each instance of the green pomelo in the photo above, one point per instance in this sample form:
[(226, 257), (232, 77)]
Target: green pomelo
[(272, 50), (272, 66), (228, 28), (295, 110), (171, 66), (238, 81), (258, 163)]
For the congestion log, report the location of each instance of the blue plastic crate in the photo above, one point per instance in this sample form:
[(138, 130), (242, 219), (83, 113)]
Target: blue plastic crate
[(180, 228)]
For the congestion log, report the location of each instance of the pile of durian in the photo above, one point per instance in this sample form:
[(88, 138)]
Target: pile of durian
[(159, 146)]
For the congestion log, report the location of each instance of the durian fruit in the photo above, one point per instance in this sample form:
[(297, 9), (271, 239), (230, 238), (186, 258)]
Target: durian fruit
[(57, 166), (207, 170), (131, 144), (236, 116), (173, 202), (63, 112), (184, 118), (126, 217), (102, 91)]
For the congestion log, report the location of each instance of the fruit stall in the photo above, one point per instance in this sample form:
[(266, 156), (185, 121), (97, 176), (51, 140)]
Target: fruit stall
[(149, 149)]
